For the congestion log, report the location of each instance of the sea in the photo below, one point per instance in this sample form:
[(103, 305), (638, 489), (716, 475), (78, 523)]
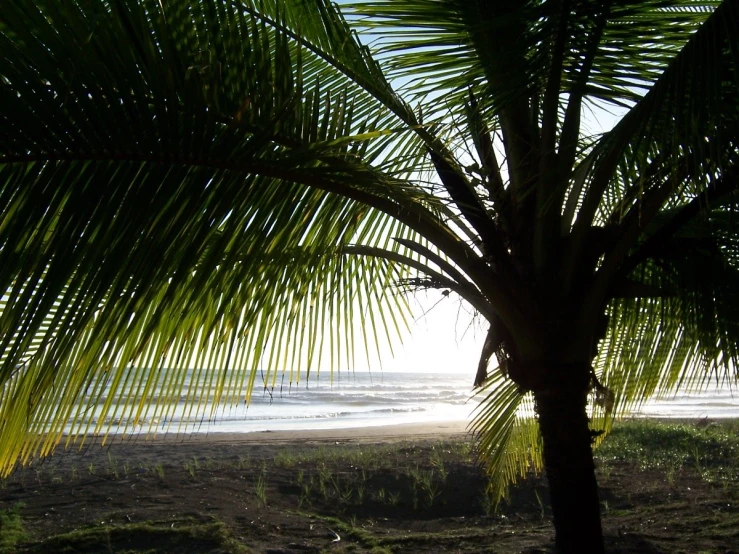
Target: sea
[(348, 400)]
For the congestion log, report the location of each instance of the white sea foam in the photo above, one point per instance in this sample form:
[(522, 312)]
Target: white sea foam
[(352, 400)]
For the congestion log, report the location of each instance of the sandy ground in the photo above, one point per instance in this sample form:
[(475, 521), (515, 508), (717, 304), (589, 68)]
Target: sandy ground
[(175, 449)]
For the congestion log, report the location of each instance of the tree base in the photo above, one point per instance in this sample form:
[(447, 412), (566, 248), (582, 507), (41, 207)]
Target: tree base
[(568, 460)]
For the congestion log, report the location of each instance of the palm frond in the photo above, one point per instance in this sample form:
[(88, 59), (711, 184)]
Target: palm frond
[(668, 129), (447, 47), (185, 200), (509, 440), (686, 336)]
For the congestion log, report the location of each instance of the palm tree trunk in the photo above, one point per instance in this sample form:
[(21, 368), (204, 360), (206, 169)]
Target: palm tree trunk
[(568, 461)]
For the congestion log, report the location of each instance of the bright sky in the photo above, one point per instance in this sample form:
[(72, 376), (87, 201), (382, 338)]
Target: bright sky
[(444, 338)]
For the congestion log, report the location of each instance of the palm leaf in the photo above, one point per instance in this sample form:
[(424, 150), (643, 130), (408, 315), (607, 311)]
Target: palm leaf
[(169, 151), (695, 342)]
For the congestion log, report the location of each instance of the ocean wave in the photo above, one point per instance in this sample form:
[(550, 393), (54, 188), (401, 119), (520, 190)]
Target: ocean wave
[(352, 397), (356, 400), (121, 421)]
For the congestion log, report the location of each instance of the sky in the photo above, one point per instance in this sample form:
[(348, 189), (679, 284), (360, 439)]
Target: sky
[(443, 336)]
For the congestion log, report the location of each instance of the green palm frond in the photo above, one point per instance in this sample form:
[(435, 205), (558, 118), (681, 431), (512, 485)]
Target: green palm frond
[(695, 278), (681, 155), (509, 440), (163, 207), (446, 47), (669, 135)]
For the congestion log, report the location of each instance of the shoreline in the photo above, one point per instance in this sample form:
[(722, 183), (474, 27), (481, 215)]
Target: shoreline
[(176, 449), (383, 432), (373, 433)]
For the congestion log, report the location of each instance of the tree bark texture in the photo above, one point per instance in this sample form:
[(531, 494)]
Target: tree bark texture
[(568, 461)]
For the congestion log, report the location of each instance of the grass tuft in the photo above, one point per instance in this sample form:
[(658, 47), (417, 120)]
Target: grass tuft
[(12, 532)]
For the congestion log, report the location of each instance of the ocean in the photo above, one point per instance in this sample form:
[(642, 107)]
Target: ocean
[(364, 399), (712, 403)]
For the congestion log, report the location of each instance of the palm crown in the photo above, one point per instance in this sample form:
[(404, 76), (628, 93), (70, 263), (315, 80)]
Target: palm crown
[(232, 184)]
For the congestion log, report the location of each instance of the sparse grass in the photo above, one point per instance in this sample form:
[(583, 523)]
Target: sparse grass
[(712, 451), (285, 459), (366, 541), (367, 457), (112, 466), (211, 464), (366, 486), (12, 532), (323, 473), (697, 459), (652, 445), (325, 476), (670, 473), (437, 460), (158, 469), (305, 495), (344, 495), (424, 486), (192, 467), (260, 489)]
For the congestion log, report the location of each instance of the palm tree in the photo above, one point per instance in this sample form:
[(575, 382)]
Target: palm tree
[(235, 185)]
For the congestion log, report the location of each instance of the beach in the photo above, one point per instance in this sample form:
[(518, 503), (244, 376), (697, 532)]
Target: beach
[(400, 488)]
